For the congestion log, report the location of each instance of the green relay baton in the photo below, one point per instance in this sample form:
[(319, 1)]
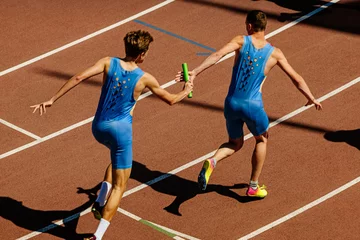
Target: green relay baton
[(186, 76)]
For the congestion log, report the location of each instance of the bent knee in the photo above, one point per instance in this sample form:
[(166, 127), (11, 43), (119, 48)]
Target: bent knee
[(238, 143), (262, 138), (119, 186)]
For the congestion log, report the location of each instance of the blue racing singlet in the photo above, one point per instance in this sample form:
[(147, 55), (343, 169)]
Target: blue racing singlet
[(248, 71), (117, 100), (112, 125), (244, 100)]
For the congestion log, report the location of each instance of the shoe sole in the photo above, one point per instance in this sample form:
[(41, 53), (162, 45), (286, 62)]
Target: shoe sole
[(96, 214), (254, 196), (202, 180)]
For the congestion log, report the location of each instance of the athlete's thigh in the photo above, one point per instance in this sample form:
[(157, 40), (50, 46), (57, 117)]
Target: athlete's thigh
[(258, 121), (121, 145), (235, 129)]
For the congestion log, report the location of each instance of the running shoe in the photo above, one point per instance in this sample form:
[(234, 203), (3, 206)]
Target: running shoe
[(205, 173), (96, 210), (260, 192)]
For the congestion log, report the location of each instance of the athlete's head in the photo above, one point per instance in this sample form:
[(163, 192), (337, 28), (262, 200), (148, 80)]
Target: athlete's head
[(255, 21), (137, 44)]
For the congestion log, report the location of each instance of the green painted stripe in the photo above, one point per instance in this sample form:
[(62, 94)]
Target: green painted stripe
[(157, 228)]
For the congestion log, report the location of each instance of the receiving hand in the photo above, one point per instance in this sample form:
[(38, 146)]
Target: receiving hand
[(180, 76)]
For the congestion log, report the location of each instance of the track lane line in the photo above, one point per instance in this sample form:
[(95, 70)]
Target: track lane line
[(19, 129), (168, 84), (197, 160), (192, 163), (302, 209), (170, 232), (87, 37)]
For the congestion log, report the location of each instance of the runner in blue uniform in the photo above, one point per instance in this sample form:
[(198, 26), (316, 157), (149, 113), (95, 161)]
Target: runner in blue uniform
[(254, 58), (123, 82)]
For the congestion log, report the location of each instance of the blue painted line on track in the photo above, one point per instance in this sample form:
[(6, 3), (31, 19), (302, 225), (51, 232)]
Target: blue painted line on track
[(203, 53), (174, 35)]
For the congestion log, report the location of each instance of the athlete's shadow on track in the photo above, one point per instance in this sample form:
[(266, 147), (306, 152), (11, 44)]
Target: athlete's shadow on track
[(351, 137), (340, 16), (183, 189), (34, 220)]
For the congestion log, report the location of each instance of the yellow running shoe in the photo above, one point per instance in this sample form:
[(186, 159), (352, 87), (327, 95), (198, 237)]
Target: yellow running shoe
[(205, 173), (260, 192)]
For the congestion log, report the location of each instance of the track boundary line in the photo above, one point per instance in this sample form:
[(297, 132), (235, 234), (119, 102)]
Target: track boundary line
[(302, 209), (87, 37), (175, 234), (190, 164), (19, 129), (170, 83)]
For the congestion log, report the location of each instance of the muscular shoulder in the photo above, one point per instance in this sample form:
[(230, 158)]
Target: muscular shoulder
[(148, 80), (239, 40), (105, 62), (277, 54), (147, 77)]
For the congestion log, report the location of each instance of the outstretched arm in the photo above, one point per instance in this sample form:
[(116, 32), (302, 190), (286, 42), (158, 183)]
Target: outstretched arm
[(151, 83), (96, 69), (297, 80), (235, 44)]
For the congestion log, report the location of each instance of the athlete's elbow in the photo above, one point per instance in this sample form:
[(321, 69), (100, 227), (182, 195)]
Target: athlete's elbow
[(217, 56), (171, 102), (79, 78)]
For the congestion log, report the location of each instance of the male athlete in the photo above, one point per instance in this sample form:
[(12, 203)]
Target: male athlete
[(254, 58), (123, 82)]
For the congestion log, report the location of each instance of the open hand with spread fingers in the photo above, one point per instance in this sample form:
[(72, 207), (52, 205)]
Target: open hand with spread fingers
[(42, 106)]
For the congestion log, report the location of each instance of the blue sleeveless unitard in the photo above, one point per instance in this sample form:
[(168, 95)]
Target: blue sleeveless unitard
[(244, 100), (112, 125)]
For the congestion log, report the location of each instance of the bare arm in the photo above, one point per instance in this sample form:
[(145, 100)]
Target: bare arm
[(96, 69), (235, 44), (169, 98), (297, 80)]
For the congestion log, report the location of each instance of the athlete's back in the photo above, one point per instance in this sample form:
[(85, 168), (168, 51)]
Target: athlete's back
[(248, 71), (117, 99)]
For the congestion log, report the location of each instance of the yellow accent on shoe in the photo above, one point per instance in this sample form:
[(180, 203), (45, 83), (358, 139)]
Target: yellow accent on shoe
[(205, 174), (208, 169)]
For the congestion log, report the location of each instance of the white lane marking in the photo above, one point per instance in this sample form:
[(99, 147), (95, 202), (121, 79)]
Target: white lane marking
[(182, 167), (281, 29), (10, 125), (168, 84), (289, 25), (55, 224), (101, 31), (192, 163), (302, 209), (137, 218)]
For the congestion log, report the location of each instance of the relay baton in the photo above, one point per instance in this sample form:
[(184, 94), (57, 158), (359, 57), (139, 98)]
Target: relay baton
[(186, 76)]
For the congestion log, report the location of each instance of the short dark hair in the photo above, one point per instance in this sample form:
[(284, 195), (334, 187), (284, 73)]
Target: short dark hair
[(137, 42), (257, 19)]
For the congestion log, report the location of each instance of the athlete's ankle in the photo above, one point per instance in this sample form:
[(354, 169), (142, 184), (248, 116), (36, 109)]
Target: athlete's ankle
[(253, 184), (213, 162)]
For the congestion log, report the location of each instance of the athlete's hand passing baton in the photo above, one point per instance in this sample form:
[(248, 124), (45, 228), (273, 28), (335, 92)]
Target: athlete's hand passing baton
[(180, 76), (186, 76)]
